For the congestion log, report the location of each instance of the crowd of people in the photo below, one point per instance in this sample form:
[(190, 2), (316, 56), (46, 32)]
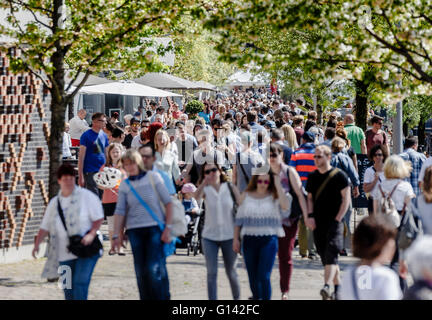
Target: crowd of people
[(268, 175)]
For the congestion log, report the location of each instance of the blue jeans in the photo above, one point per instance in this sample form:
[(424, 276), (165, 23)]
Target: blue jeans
[(211, 250), (149, 262), (82, 270), (259, 255)]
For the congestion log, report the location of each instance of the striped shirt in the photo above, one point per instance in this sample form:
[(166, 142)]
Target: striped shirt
[(303, 161)]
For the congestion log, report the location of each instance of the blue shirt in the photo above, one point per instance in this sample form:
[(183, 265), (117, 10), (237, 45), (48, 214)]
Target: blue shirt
[(95, 144), (343, 161), (416, 159), (205, 116)]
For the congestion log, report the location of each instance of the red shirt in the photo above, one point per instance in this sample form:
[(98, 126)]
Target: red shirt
[(373, 138)]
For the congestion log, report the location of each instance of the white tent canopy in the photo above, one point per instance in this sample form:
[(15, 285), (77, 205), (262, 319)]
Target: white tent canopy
[(127, 88), (206, 85), (242, 78), (166, 81)]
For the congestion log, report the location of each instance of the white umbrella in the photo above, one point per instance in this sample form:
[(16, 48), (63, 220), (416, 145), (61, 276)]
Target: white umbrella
[(166, 81), (127, 88)]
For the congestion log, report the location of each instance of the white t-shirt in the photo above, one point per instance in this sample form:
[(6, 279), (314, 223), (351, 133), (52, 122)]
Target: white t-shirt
[(369, 177), (136, 142), (373, 283), (67, 144), (91, 211), (403, 190), (219, 220), (425, 165)]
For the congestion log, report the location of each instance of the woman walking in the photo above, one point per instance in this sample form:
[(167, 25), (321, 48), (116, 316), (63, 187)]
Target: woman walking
[(291, 183), (374, 243), (218, 229), (109, 198), (374, 175), (399, 190), (74, 211), (259, 224), (139, 211), (166, 160)]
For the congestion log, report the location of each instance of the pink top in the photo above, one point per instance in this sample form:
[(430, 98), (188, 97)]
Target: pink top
[(111, 195)]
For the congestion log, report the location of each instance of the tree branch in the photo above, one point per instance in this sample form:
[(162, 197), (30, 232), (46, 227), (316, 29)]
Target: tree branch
[(74, 79), (426, 18), (28, 7), (70, 96), (424, 76)]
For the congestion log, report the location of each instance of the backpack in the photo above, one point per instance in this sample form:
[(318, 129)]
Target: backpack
[(411, 226), (387, 207)]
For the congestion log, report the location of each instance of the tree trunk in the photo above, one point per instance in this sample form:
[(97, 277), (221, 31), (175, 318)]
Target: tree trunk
[(319, 111), (58, 104), (421, 129), (361, 100)]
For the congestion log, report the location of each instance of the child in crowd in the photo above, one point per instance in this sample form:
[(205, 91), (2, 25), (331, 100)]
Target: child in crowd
[(109, 199), (189, 202)]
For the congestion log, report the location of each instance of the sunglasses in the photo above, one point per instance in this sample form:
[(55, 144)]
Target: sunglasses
[(273, 155), (380, 123), (379, 155), (135, 124), (210, 170), (259, 181), (318, 157), (147, 156)]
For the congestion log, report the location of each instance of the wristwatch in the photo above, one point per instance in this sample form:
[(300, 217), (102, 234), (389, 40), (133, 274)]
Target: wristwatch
[(310, 215)]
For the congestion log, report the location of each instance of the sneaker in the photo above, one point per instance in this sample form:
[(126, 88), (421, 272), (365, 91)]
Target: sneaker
[(312, 256), (285, 296), (325, 293)]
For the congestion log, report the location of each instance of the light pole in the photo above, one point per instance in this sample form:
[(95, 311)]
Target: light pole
[(397, 128)]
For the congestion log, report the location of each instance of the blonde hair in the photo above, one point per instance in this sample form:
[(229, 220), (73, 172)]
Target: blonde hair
[(109, 160), (290, 136), (396, 168), (324, 149), (427, 185), (135, 157), (164, 133)]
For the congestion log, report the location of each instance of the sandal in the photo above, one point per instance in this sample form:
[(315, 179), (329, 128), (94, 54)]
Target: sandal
[(121, 253), (111, 252)]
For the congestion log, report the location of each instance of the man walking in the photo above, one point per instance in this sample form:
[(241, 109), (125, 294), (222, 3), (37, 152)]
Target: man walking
[(77, 126), (328, 200), (376, 135), (135, 127), (303, 161), (92, 153), (416, 158), (355, 135)]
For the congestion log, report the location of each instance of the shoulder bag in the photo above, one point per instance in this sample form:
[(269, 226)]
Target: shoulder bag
[(326, 181), (235, 205), (168, 248), (75, 246), (296, 211), (179, 227)]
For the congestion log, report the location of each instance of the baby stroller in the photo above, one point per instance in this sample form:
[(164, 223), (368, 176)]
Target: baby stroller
[(192, 239)]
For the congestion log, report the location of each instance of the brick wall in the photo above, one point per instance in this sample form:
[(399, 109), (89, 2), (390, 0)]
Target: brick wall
[(24, 158)]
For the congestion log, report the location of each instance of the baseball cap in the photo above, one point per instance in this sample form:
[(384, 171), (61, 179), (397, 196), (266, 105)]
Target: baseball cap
[(270, 124), (137, 114)]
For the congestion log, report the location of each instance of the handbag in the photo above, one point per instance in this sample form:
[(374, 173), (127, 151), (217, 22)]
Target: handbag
[(410, 227), (75, 246), (235, 205), (168, 248), (296, 210), (178, 223)]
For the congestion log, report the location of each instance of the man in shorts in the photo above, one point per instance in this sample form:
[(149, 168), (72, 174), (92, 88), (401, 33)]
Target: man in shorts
[(329, 196)]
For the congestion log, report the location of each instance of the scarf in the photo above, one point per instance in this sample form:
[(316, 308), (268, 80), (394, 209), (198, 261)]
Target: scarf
[(71, 214)]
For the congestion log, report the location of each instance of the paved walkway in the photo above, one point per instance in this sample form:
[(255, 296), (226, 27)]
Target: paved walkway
[(114, 279)]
